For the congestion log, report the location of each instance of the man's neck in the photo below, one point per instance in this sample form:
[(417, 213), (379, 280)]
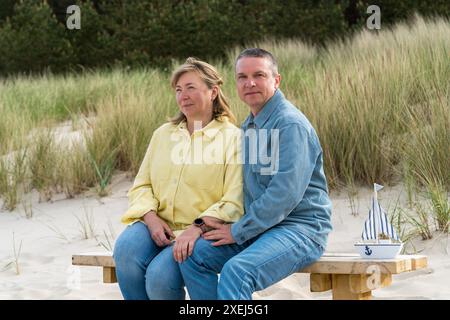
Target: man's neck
[(256, 110)]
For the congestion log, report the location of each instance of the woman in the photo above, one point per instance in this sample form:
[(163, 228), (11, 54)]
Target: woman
[(191, 170)]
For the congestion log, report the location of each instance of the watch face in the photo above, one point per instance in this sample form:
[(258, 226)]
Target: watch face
[(198, 221)]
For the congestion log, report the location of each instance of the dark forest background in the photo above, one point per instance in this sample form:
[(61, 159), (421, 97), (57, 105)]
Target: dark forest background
[(34, 37)]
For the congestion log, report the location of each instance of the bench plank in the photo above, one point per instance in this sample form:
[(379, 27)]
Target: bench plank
[(418, 262), (354, 264), (329, 263), (360, 283), (98, 259)]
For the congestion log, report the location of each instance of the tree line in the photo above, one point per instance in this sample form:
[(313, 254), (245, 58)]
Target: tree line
[(34, 37)]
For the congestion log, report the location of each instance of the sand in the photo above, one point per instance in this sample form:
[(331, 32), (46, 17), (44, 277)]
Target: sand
[(54, 233)]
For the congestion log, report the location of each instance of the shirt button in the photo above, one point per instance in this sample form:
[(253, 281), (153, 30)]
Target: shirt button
[(174, 181), (170, 203)]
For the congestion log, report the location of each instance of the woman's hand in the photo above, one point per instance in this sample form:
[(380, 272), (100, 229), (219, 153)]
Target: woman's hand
[(184, 245), (159, 230)]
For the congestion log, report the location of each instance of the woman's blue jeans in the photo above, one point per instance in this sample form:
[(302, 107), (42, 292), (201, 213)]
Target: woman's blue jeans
[(244, 269), (144, 270)]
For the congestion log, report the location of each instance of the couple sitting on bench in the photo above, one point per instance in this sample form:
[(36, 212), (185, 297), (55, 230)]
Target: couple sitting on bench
[(251, 204)]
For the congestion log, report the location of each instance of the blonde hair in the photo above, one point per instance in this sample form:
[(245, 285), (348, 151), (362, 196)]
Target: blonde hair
[(211, 78)]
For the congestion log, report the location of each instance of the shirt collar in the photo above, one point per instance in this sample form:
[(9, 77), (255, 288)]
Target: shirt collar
[(209, 131), (262, 117)]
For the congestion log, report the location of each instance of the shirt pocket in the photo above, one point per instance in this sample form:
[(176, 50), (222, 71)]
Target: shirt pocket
[(204, 177)]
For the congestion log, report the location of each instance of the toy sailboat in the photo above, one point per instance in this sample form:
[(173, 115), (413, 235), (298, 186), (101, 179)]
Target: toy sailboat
[(380, 241)]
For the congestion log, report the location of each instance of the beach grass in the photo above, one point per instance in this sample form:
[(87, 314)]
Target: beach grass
[(380, 103), (86, 224), (16, 251), (42, 162), (13, 179), (75, 173)]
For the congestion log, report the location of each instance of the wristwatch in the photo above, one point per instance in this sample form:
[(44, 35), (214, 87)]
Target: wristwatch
[(201, 224)]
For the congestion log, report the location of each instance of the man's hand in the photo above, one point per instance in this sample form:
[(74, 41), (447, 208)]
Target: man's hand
[(208, 220), (221, 233), (184, 245), (159, 229)]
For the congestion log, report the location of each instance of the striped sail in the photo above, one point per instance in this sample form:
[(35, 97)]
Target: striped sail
[(377, 221)]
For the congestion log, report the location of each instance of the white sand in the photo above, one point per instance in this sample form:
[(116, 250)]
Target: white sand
[(45, 258)]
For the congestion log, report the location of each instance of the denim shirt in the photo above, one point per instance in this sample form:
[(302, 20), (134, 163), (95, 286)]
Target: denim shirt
[(291, 192)]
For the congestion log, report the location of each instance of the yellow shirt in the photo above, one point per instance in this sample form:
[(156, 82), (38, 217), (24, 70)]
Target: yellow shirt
[(184, 177)]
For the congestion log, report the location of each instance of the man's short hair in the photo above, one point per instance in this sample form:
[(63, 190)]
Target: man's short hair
[(260, 53)]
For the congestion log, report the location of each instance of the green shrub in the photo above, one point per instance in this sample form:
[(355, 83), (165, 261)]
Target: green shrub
[(32, 40)]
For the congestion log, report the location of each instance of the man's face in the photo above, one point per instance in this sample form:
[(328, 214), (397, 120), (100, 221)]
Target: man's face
[(255, 82)]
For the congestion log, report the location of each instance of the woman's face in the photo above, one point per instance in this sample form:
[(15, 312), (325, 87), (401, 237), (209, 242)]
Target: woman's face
[(194, 97)]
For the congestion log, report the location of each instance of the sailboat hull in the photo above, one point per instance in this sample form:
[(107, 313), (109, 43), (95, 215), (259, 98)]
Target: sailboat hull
[(379, 250)]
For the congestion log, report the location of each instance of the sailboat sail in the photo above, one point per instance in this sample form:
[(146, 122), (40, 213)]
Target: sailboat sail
[(378, 221)]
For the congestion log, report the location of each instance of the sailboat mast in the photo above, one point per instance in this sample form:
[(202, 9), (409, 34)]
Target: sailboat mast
[(376, 211)]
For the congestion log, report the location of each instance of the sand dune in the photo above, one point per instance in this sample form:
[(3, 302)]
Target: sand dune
[(54, 233)]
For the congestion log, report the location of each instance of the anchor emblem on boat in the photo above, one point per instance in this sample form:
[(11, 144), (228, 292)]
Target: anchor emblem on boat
[(368, 251)]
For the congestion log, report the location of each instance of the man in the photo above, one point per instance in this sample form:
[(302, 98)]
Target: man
[(287, 208)]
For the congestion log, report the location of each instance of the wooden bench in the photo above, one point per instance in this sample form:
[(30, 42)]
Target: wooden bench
[(348, 275), (352, 278)]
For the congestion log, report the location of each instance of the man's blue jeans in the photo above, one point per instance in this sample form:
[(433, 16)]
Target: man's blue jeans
[(144, 270), (246, 268)]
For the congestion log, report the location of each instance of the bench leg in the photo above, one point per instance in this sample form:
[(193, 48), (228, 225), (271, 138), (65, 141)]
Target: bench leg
[(320, 282), (109, 275), (358, 286), (342, 285)]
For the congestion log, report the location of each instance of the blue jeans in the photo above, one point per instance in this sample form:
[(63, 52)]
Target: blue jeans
[(244, 269), (144, 270)]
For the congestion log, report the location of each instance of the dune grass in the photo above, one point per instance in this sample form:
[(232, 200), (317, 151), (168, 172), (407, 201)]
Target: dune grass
[(43, 163), (13, 181), (75, 173), (86, 224), (380, 103)]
